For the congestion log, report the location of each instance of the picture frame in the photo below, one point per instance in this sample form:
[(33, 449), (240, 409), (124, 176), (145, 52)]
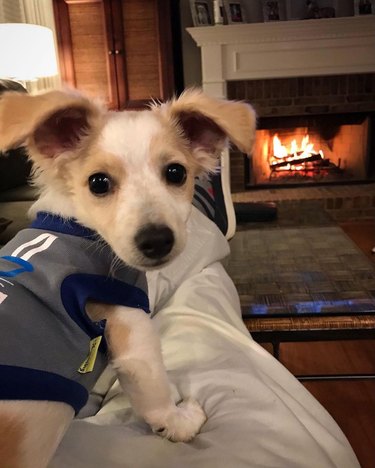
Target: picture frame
[(234, 11), (299, 10), (364, 7), (201, 12), (273, 10), (295, 10)]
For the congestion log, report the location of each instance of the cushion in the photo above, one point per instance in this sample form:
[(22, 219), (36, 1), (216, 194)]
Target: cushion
[(14, 169), (4, 223)]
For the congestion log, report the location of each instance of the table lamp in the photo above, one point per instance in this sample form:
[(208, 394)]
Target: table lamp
[(27, 52)]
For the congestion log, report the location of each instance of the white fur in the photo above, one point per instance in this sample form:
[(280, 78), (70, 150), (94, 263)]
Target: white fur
[(143, 377), (119, 135)]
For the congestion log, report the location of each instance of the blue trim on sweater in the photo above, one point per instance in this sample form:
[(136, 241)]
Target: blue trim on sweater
[(78, 288), (25, 266), (20, 383), (55, 223)]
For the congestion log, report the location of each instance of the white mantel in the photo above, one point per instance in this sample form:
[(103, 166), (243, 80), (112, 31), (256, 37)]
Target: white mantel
[(284, 49)]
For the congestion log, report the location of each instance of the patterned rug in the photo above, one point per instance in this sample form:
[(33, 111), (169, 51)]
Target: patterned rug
[(301, 271)]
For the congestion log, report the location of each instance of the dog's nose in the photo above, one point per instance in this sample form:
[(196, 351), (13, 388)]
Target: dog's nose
[(155, 241)]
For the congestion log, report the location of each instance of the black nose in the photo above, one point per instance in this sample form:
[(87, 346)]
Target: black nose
[(155, 241)]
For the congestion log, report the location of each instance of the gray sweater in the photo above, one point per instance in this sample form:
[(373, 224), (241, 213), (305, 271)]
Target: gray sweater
[(49, 348)]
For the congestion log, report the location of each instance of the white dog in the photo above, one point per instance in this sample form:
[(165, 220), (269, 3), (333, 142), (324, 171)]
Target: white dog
[(115, 196)]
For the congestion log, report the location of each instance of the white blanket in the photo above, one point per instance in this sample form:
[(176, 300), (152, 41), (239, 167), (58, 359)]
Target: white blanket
[(259, 415)]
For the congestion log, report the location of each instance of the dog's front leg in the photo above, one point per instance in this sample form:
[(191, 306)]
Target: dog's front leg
[(136, 355)]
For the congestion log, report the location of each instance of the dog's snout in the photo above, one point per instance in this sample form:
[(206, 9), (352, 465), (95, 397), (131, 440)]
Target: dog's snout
[(155, 241)]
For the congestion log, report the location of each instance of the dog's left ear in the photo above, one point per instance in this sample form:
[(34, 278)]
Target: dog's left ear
[(208, 124)]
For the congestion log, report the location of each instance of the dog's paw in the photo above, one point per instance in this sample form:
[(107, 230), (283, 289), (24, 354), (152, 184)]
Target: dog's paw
[(183, 423)]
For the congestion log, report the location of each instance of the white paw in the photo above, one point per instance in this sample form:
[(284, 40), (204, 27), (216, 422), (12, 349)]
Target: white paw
[(183, 423)]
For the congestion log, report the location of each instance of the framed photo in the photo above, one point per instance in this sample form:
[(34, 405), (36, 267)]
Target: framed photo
[(273, 10), (315, 9), (364, 7), (295, 10), (201, 12), (234, 11)]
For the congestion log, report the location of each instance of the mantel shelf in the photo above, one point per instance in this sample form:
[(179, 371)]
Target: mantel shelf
[(281, 49), (353, 26)]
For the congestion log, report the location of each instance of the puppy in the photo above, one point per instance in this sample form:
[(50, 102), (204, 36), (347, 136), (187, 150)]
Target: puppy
[(115, 196)]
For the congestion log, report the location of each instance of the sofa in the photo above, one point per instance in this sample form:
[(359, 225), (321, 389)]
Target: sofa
[(16, 195)]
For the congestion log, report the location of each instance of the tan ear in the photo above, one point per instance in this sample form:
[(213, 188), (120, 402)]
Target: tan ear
[(53, 122), (208, 122)]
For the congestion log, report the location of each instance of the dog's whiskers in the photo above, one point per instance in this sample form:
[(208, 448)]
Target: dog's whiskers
[(98, 245), (115, 265)]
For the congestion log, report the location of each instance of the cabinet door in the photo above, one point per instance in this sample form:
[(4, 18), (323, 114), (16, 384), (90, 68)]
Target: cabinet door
[(119, 50), (86, 47), (148, 66)]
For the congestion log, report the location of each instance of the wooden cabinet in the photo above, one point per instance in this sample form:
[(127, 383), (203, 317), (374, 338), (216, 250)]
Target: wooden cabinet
[(119, 50)]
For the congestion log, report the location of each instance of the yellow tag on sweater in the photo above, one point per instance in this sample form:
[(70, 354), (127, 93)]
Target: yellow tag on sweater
[(89, 363)]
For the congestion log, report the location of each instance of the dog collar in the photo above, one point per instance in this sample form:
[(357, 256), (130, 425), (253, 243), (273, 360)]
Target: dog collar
[(55, 223)]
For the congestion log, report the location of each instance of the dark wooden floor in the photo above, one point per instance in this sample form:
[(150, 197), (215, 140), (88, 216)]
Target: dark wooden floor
[(352, 404)]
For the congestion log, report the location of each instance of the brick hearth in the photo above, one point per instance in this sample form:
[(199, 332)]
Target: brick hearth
[(340, 202)]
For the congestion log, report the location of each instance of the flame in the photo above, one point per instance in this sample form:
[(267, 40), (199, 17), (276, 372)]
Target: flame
[(295, 151)]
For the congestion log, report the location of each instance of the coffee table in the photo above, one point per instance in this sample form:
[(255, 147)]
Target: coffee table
[(304, 284)]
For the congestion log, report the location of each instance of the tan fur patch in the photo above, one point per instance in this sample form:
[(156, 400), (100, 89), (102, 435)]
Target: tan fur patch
[(116, 332), (117, 335), (102, 209), (98, 311), (12, 434), (21, 113), (167, 148), (100, 161), (235, 118)]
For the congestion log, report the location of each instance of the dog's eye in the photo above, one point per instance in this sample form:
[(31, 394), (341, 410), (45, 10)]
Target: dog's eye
[(99, 184), (175, 174)]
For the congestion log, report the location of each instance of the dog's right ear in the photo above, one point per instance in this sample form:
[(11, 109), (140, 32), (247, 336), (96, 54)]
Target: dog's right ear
[(208, 123), (50, 124)]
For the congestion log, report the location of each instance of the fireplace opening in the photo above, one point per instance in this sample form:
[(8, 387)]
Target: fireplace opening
[(319, 149)]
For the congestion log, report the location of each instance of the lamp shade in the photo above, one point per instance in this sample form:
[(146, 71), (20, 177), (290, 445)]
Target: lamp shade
[(27, 51)]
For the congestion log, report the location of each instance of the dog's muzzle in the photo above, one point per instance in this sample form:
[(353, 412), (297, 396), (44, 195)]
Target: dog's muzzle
[(155, 241)]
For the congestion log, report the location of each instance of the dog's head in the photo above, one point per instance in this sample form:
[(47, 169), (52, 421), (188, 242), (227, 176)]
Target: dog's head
[(127, 175)]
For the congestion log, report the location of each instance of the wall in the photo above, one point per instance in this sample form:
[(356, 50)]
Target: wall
[(191, 55)]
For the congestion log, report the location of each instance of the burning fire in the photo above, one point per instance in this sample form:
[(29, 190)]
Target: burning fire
[(295, 155), (304, 150)]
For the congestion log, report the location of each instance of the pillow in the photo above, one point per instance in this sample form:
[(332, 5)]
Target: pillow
[(14, 168)]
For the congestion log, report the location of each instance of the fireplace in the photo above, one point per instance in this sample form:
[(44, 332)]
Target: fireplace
[(311, 130), (320, 149), (285, 68), (307, 70)]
